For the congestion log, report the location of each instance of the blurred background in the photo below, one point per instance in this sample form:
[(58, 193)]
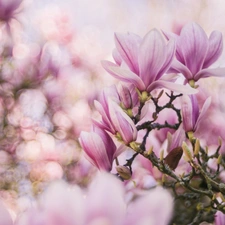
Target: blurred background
[(50, 74)]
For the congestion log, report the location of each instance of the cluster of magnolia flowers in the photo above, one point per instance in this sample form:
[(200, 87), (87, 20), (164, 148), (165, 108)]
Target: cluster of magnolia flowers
[(144, 65), (133, 117)]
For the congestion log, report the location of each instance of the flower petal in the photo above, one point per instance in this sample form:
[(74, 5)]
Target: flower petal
[(124, 75), (158, 208), (151, 56), (187, 116), (172, 86), (215, 48), (108, 142), (214, 72), (95, 150), (169, 53), (106, 122), (122, 122), (116, 56), (203, 112), (179, 54), (178, 67), (194, 46), (127, 46)]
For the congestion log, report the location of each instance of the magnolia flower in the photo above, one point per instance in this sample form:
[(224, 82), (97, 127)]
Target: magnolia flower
[(99, 148), (8, 9), (116, 121), (191, 115), (196, 52), (144, 62)]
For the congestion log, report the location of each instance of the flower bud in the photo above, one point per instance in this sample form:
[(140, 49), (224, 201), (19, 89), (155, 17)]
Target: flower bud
[(124, 172), (197, 147), (187, 151), (219, 159)]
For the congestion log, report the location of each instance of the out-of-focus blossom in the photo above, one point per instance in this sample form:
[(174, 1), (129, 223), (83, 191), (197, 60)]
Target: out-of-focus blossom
[(191, 115), (60, 204), (8, 9), (219, 218), (146, 60), (103, 203), (196, 52), (99, 148), (5, 218), (158, 208)]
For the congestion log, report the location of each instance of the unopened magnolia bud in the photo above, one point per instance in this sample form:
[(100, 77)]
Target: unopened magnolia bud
[(197, 147), (220, 141), (206, 150), (187, 151), (125, 96), (160, 94), (163, 178), (124, 172), (150, 151), (219, 159), (161, 155)]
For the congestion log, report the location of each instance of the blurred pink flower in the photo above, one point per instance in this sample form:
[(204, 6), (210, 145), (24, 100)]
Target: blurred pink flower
[(145, 62), (105, 201), (59, 204), (156, 207), (5, 217), (219, 218), (102, 203), (195, 52)]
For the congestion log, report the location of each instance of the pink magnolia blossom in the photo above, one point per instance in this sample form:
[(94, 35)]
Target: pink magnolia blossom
[(144, 62), (99, 148), (191, 115), (8, 9), (196, 52), (115, 120)]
